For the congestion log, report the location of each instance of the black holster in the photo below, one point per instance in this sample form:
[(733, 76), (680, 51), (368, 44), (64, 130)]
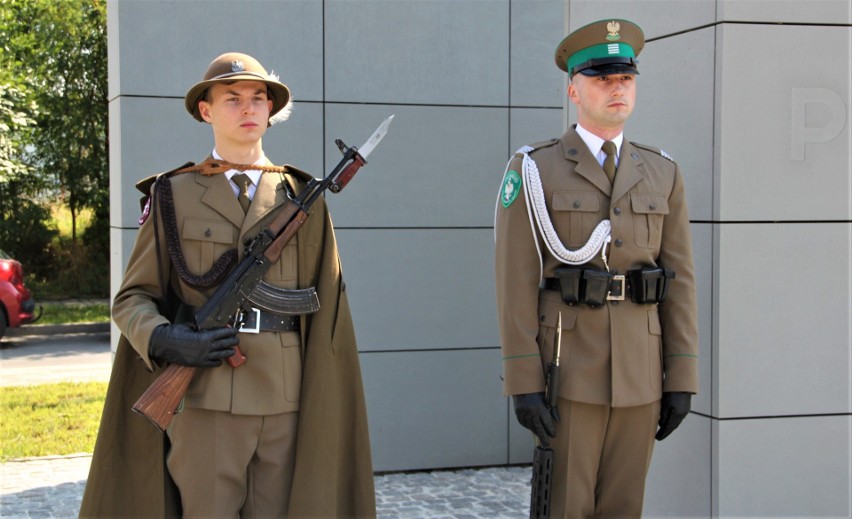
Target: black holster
[(586, 286), (649, 284)]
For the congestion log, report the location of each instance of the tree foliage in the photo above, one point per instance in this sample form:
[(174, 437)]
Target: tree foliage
[(53, 115)]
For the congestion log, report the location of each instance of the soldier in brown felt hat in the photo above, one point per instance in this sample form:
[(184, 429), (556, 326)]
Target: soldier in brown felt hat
[(283, 434), (592, 232), (230, 68)]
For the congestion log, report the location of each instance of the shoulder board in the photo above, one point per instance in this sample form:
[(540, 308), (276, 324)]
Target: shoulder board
[(543, 144), (145, 184), (658, 151), (529, 148)]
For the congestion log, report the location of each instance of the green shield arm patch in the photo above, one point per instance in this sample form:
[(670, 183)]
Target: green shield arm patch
[(511, 188)]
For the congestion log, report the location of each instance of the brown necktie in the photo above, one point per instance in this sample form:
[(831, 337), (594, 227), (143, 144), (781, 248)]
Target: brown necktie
[(609, 163), (243, 181)]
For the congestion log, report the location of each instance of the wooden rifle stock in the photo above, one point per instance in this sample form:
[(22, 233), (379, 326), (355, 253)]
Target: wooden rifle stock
[(159, 402)]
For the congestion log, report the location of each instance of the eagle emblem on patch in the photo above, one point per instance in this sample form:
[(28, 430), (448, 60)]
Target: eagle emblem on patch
[(237, 66), (613, 27), (511, 188)]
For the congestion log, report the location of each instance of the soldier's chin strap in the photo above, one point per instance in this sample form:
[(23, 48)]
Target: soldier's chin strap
[(538, 206)]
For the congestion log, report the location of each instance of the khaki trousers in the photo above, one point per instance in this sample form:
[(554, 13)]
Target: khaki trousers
[(230, 466), (601, 456)]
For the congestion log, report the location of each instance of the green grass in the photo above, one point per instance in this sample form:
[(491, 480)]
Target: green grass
[(50, 419), (64, 313)]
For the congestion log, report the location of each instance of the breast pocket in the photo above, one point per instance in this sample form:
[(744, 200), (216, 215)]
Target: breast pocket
[(649, 211), (204, 241), (579, 210)]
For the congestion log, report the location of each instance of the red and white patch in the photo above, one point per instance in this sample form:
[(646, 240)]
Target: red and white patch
[(146, 211)]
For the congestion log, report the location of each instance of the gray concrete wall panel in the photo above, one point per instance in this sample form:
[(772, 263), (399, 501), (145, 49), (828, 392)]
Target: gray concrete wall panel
[(784, 330), (297, 141), (537, 26), (435, 170), (790, 467), (674, 109), (415, 289), (679, 479), (154, 135), (417, 51), (779, 11), (431, 409), (530, 125), (165, 45), (656, 17), (784, 134), (702, 247)]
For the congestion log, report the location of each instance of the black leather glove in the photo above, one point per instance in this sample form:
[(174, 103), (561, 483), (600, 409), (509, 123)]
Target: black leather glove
[(673, 409), (182, 344), (532, 413)]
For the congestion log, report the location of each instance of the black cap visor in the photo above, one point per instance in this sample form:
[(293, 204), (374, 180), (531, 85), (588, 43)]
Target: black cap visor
[(607, 66)]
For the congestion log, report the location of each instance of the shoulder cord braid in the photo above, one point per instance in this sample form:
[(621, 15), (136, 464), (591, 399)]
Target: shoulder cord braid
[(535, 195), (213, 167), (529, 213), (219, 269)]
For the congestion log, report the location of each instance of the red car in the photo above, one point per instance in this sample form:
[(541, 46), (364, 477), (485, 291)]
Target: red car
[(17, 305)]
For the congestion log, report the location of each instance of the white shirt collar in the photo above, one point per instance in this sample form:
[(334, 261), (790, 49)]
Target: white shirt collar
[(594, 143)]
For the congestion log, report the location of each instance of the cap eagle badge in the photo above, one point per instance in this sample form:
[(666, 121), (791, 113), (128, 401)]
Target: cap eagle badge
[(237, 66), (613, 27)]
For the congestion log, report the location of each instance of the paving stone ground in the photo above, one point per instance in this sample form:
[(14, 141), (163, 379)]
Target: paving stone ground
[(52, 487)]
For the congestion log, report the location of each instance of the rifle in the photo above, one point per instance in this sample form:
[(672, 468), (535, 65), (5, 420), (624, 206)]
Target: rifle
[(543, 455), (227, 305)]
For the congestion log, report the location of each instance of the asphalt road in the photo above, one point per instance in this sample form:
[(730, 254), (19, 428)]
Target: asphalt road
[(54, 354)]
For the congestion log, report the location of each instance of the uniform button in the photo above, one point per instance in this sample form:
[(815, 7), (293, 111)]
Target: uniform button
[(614, 303), (652, 207), (577, 204), (617, 211), (618, 242), (208, 233)]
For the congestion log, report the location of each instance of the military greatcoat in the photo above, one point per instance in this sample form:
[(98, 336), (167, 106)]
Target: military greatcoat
[(622, 354), (317, 372)]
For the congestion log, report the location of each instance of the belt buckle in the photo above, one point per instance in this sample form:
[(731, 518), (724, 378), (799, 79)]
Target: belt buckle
[(618, 282), (256, 328)]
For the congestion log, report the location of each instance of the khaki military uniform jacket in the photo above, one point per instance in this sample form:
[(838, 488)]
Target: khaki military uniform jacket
[(333, 467), (211, 222), (622, 354)]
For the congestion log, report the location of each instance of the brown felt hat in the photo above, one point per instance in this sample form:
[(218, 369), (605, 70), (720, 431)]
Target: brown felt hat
[(235, 66), (600, 48)]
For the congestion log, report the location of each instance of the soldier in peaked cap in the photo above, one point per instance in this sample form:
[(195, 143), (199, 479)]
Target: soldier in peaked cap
[(285, 433), (594, 228)]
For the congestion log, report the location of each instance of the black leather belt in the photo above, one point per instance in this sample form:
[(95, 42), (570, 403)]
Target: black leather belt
[(257, 321), (593, 287)]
